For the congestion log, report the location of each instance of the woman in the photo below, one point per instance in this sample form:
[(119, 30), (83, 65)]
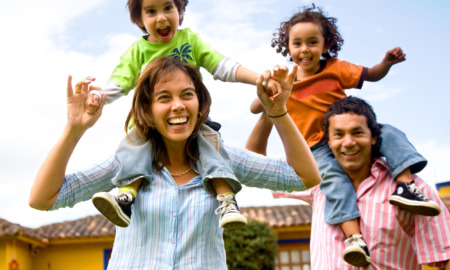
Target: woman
[(173, 225)]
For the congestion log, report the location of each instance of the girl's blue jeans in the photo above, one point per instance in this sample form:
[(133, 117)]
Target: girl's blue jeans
[(136, 156)]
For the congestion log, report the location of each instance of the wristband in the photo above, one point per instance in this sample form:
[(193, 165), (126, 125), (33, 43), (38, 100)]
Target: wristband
[(97, 93), (276, 116)]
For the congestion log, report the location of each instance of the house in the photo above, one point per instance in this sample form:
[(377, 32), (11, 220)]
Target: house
[(86, 243)]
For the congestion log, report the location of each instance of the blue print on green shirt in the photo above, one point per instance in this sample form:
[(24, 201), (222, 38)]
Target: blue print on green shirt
[(182, 53)]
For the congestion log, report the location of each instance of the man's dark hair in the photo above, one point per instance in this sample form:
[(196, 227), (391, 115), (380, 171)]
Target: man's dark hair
[(354, 105)]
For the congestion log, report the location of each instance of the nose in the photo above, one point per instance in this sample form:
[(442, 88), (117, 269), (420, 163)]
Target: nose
[(178, 105), (304, 47), (161, 17), (348, 141)]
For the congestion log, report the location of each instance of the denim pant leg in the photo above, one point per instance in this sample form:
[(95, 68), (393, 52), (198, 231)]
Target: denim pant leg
[(135, 158), (398, 151), (340, 194), (214, 161)]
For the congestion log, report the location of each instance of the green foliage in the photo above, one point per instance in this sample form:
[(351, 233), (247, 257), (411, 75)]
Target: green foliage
[(251, 248)]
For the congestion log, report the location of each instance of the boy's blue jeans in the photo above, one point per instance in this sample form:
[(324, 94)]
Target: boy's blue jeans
[(136, 156), (340, 194)]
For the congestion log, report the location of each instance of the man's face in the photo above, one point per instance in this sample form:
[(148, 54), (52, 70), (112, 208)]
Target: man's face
[(351, 141)]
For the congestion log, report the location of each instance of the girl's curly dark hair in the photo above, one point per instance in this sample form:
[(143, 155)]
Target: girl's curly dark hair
[(333, 39)]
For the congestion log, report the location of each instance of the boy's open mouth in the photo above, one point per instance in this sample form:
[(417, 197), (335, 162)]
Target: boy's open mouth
[(164, 32)]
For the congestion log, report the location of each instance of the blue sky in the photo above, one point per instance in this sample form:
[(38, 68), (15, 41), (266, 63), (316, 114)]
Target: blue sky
[(44, 41)]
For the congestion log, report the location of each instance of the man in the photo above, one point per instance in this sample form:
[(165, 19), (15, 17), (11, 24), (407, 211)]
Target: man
[(396, 239)]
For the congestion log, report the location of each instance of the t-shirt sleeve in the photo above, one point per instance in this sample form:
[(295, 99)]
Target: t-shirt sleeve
[(352, 76), (207, 57), (126, 73), (432, 234)]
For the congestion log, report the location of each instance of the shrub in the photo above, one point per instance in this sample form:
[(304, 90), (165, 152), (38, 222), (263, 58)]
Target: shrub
[(251, 248)]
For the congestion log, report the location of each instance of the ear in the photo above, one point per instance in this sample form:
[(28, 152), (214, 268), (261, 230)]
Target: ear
[(325, 49), (374, 140)]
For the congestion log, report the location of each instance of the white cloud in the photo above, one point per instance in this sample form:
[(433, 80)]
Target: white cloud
[(33, 111), (438, 161), (377, 92)]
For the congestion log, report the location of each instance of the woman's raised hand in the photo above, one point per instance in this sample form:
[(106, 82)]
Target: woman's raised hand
[(83, 110), (276, 104)]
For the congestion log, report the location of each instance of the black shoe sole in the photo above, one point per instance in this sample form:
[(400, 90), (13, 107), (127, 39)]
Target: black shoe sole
[(109, 208), (357, 259), (429, 208)]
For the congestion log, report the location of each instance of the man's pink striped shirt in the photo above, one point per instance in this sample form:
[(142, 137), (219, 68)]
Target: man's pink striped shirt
[(396, 239)]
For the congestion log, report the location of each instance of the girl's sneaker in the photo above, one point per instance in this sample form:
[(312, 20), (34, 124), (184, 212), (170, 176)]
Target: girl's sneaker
[(408, 197), (356, 253)]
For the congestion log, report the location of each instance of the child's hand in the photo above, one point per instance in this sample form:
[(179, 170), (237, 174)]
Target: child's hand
[(277, 103), (81, 112), (271, 82), (394, 56)]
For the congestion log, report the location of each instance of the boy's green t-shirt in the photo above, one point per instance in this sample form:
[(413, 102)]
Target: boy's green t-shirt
[(186, 45)]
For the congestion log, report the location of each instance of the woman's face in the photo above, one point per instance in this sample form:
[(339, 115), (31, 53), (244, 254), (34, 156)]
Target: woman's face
[(175, 107)]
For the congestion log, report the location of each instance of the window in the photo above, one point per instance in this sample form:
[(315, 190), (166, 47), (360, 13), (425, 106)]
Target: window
[(293, 255), (106, 257)]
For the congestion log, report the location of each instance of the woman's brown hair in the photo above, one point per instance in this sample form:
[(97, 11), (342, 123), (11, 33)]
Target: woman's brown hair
[(140, 113)]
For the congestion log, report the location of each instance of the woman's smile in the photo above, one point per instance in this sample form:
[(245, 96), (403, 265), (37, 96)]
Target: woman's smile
[(175, 107)]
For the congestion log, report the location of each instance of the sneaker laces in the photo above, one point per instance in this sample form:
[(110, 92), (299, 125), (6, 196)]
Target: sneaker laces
[(415, 190), (125, 197), (355, 239), (228, 204)]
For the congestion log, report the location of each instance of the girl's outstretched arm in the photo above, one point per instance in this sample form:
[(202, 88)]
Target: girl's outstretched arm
[(82, 113), (380, 70)]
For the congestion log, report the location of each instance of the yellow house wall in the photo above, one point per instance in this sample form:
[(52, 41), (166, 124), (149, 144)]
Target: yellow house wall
[(3, 264), (85, 256), (444, 191), (10, 249)]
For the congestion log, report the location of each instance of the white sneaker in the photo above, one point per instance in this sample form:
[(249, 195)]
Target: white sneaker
[(356, 253), (231, 217)]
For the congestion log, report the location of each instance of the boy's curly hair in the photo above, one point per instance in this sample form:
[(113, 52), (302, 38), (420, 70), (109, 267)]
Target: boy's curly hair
[(333, 39), (135, 7)]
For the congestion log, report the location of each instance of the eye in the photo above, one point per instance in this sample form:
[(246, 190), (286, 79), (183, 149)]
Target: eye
[(162, 98), (151, 11), (188, 94), (168, 8)]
